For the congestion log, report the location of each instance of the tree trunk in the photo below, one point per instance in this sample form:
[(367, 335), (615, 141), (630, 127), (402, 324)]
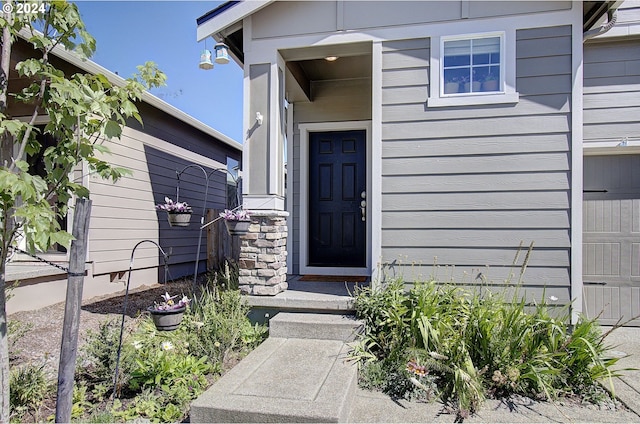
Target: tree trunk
[(5, 144), (5, 57), (75, 281), (4, 349)]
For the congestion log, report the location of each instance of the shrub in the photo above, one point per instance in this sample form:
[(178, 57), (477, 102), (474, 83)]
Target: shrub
[(16, 331), (28, 386), (219, 327), (97, 359), (473, 345)]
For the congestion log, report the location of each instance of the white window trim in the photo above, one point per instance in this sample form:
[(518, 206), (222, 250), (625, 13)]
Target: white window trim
[(507, 74)]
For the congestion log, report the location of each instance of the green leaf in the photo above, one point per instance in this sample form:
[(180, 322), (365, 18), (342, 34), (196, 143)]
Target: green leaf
[(112, 129), (22, 165), (62, 238)]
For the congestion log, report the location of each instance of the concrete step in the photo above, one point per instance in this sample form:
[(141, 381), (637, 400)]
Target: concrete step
[(283, 380), (308, 297), (300, 325)]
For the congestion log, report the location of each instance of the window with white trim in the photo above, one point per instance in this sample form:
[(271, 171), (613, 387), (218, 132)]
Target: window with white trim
[(472, 66), (472, 69)]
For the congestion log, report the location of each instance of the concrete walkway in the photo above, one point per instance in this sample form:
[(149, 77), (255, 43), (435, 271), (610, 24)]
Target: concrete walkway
[(302, 374)]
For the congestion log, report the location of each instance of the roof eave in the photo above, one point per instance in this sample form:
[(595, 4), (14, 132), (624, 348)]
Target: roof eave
[(221, 18)]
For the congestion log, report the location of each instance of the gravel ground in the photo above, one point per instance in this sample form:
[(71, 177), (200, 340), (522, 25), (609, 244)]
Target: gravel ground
[(43, 339)]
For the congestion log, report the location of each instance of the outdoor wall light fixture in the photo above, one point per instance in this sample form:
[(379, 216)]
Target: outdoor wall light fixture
[(259, 118), (205, 60), (222, 53)]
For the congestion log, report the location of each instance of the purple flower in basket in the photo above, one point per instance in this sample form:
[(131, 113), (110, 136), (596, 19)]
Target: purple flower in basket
[(239, 215), (171, 206), (168, 303)]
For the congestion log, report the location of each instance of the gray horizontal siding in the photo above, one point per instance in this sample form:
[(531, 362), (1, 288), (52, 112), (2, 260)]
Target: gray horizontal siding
[(123, 213), (309, 17), (491, 145), (442, 183), (477, 164), (464, 187), (612, 91), (504, 219), (477, 201)]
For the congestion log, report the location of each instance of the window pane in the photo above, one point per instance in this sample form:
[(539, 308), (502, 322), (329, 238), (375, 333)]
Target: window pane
[(233, 194), (480, 59), (451, 61), (486, 45), (457, 53)]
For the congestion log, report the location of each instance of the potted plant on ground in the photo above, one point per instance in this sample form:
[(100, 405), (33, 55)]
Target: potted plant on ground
[(178, 213), (167, 315), (237, 222)]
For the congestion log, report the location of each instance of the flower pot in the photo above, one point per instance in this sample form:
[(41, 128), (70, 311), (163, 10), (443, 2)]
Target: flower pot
[(451, 87), (472, 87), (237, 228), (491, 85), (179, 219), (166, 320)]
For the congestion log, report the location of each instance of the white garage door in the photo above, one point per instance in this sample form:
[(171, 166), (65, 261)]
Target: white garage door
[(611, 238)]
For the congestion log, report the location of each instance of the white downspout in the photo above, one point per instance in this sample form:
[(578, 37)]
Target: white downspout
[(612, 17)]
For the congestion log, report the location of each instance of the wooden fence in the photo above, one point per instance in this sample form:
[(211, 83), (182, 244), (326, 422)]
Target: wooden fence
[(220, 245)]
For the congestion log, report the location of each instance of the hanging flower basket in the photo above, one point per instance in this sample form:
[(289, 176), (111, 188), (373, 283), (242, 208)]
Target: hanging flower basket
[(237, 228), (168, 320), (237, 222), (167, 315), (178, 213), (179, 219)]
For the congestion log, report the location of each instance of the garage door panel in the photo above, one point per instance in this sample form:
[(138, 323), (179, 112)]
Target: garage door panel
[(611, 304), (635, 260), (602, 301), (602, 216), (601, 259), (611, 238)]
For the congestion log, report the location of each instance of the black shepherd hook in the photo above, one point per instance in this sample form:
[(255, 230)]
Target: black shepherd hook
[(126, 295), (207, 177), (202, 217)]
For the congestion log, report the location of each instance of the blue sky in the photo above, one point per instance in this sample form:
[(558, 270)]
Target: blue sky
[(129, 33)]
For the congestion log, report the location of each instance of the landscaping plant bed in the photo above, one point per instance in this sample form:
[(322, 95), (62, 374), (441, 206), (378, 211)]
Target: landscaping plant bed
[(160, 371)]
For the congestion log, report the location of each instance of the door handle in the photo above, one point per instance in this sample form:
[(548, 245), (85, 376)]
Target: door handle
[(363, 205)]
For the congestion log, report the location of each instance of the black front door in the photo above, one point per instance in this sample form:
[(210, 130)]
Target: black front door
[(337, 199)]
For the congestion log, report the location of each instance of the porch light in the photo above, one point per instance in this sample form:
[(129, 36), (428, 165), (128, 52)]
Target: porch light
[(222, 53), (205, 60), (331, 58)]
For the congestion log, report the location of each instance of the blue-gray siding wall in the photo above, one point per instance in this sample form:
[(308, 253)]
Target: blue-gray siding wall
[(611, 91), (462, 187)]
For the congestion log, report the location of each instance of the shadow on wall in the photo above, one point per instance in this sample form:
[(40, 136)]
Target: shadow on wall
[(181, 242)]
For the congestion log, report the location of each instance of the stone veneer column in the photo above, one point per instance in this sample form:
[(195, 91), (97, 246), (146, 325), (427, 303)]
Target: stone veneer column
[(263, 254)]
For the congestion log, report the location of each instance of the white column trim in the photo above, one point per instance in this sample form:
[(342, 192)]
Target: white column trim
[(576, 164), (375, 193), (274, 127), (289, 193)]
